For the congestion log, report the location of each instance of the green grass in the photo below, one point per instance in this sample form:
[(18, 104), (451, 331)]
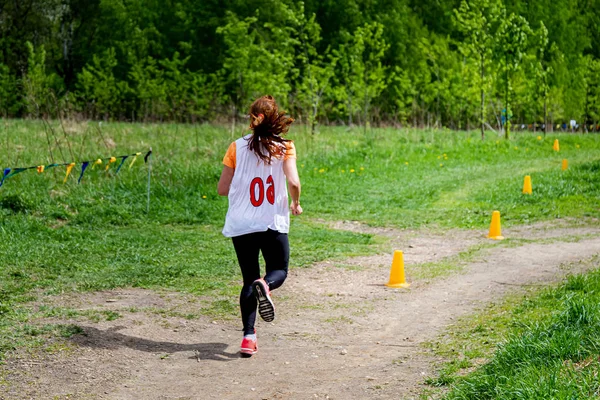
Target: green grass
[(476, 178), (57, 237), (542, 345)]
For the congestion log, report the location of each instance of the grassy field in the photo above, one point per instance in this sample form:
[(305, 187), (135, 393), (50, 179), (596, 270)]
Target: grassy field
[(541, 345), (57, 237)]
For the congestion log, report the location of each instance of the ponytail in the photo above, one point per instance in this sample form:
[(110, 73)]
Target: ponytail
[(268, 125)]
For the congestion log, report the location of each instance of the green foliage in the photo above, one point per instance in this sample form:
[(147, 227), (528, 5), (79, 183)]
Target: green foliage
[(477, 21), (592, 93), (316, 70), (428, 64), (40, 88), (9, 104), (512, 40), (251, 67), (362, 75), (99, 88)]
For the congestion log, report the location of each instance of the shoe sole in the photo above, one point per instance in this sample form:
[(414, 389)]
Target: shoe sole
[(266, 308), (246, 353)]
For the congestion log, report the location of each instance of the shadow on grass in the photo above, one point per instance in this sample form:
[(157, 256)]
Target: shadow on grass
[(111, 339)]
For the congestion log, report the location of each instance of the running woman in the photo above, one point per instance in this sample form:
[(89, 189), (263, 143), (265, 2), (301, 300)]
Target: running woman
[(254, 176)]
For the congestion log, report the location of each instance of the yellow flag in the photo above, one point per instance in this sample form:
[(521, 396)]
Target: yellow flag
[(69, 169), (40, 169), (134, 158), (112, 160), (97, 162)]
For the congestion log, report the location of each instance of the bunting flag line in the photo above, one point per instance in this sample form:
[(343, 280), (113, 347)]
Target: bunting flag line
[(110, 161), (6, 172), (16, 171), (10, 172), (84, 165), (135, 156), (121, 164), (69, 169)]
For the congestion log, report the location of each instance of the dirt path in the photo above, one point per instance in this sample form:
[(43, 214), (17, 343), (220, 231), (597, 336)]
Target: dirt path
[(339, 333)]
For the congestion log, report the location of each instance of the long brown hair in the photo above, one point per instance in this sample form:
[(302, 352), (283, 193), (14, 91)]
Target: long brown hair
[(268, 125)]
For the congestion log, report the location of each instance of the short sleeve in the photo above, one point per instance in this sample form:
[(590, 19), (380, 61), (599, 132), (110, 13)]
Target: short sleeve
[(290, 150), (229, 159)]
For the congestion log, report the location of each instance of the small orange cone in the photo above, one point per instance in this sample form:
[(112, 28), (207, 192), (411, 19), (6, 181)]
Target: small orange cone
[(397, 279), (565, 164), (556, 147), (527, 185), (495, 229)]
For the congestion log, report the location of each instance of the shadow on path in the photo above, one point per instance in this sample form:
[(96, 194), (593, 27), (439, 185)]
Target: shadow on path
[(111, 339)]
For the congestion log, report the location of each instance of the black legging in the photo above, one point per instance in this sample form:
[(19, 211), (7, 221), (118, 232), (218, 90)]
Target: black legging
[(275, 249)]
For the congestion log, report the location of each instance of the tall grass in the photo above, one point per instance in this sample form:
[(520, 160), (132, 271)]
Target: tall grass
[(403, 178), (554, 357)]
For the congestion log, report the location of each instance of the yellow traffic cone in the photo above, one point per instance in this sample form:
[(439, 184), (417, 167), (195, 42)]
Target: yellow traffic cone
[(495, 229), (527, 185), (565, 164), (397, 279), (556, 147)]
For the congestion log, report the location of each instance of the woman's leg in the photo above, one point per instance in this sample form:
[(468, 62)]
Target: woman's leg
[(247, 249), (276, 251)]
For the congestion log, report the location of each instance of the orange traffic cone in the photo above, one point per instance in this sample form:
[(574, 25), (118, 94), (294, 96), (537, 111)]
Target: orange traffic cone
[(556, 147), (565, 164), (495, 229), (527, 185), (397, 279)]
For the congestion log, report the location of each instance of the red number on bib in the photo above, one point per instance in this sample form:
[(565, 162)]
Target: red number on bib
[(271, 190), (256, 202), (258, 198)]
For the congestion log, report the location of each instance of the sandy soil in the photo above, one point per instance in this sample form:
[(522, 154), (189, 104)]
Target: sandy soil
[(339, 332)]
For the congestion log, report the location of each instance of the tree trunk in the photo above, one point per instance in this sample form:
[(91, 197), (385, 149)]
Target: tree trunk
[(506, 104), (366, 111), (482, 98), (313, 122), (234, 113), (350, 111), (545, 116)]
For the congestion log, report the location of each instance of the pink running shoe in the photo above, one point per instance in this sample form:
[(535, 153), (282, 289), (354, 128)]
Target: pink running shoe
[(248, 347), (266, 308)]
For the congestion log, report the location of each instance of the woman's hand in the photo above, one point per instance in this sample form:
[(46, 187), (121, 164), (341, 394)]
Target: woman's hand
[(296, 208)]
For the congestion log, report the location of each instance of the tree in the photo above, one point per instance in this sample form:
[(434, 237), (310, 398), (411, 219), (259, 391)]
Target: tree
[(98, 87), (38, 85), (363, 76), (541, 58), (254, 66), (316, 69), (512, 41), (592, 93), (403, 92), (187, 93), (477, 21), (9, 104)]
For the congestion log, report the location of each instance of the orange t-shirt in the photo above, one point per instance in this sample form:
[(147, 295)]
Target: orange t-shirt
[(229, 159)]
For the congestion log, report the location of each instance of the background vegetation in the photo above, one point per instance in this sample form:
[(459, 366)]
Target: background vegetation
[(452, 63)]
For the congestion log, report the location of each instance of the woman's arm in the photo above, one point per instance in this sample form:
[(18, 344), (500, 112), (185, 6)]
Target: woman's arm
[(291, 173), (225, 180)]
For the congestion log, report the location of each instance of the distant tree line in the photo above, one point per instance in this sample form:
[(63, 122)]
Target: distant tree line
[(444, 63)]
